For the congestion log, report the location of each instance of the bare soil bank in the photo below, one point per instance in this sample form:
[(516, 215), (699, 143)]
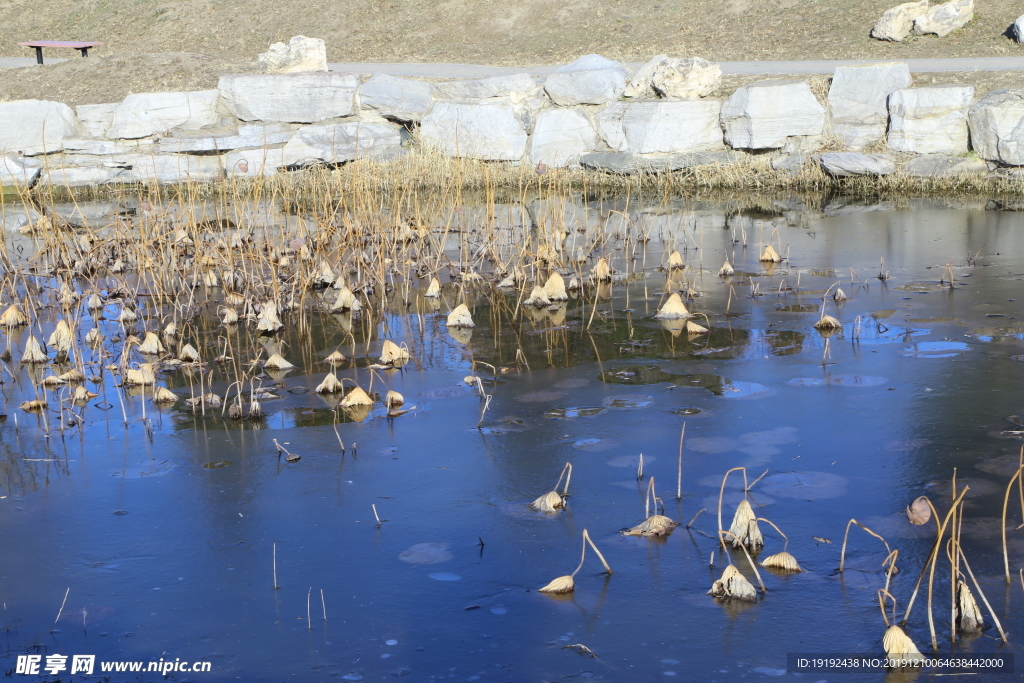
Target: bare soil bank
[(499, 32)]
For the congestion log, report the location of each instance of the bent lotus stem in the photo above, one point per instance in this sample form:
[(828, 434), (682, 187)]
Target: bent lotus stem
[(1006, 504), (842, 554), (929, 563), (567, 473), (721, 494), (785, 545)]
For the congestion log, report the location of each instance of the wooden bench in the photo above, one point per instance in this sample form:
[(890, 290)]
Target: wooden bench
[(82, 47)]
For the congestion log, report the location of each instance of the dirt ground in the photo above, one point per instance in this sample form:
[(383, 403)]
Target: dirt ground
[(112, 78), (499, 32), (167, 45)]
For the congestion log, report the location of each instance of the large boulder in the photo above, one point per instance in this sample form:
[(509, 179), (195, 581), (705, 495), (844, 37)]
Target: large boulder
[(857, 100), (83, 176), (34, 126), (254, 163), (252, 135), (338, 143), (930, 120), (609, 125), (897, 23), (515, 88), (560, 136), (589, 80), (762, 115), (1017, 30), (674, 78), (170, 169), (944, 166), (628, 163), (300, 54), (945, 18), (15, 174), (307, 97), (996, 123), (843, 164), (397, 98), (491, 132), (147, 114), (670, 127), (96, 118)]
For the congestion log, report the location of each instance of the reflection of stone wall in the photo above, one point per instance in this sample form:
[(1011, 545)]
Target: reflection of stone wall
[(260, 125)]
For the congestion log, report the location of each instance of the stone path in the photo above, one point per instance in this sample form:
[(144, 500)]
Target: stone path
[(743, 68)]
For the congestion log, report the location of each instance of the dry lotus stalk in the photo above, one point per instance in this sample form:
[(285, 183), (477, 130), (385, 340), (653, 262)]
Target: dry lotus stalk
[(345, 301), (228, 315), (744, 530), (73, 376), (969, 616), (94, 337), (560, 586), (549, 502), (783, 561), (733, 585), (189, 354), (655, 525), (898, 645), (127, 316), (33, 351), (356, 397), (726, 270), (920, 511), (336, 358), (393, 400), (554, 288), (673, 309), (433, 289), (83, 395), (12, 317), (68, 296), (164, 395), (209, 400), (62, 338), (267, 321), (277, 362), (234, 299), (326, 276), (537, 298), (151, 345), (393, 354), (330, 385), (828, 323), (770, 255), (460, 317), (602, 272), (566, 584), (140, 376)]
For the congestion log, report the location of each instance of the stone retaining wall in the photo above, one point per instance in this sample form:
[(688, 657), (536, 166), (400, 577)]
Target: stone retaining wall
[(261, 125)]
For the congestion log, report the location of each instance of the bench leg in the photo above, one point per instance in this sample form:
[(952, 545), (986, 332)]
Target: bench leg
[(39, 55), (84, 51)]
